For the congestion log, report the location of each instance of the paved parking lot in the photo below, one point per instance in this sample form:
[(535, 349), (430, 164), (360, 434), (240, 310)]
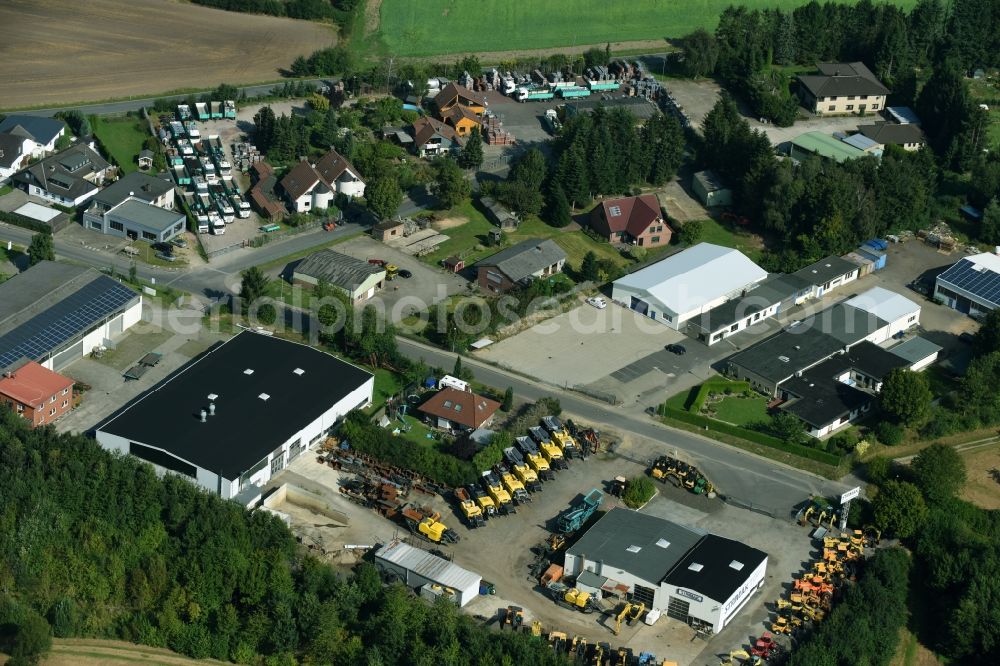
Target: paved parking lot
[(402, 296), (696, 98), (523, 119)]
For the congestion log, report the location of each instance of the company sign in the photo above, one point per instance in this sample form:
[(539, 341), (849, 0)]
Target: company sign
[(690, 595), (850, 494)]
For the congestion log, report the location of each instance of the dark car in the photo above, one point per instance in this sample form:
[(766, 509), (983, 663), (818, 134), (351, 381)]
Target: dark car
[(165, 248), (403, 273), (179, 242), (676, 349), (967, 338)]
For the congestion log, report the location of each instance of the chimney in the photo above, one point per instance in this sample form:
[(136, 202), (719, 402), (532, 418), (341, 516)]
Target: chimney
[(204, 416), (211, 409), (131, 194)]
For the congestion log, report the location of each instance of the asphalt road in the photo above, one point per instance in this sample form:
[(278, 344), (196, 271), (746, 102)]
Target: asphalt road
[(771, 486), (125, 106), (764, 483)]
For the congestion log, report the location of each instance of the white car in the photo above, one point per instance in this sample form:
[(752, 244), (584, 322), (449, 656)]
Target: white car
[(598, 302)]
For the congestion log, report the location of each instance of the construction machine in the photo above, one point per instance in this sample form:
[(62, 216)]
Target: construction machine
[(553, 574), (561, 436), (473, 512), (663, 467), (572, 598), (555, 542), (557, 639), (622, 613), (534, 458), (601, 651), (578, 648), (515, 617), (522, 470), (515, 488), (428, 525), (580, 512), (618, 486), (873, 535), (536, 628), (818, 506), (765, 646), (781, 625), (624, 656), (635, 612), (552, 453), (505, 505), (484, 501), (742, 655)]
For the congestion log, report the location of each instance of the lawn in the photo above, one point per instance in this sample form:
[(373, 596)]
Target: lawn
[(434, 27), (713, 232), (988, 90), (464, 239), (5, 189), (741, 411), (122, 139)]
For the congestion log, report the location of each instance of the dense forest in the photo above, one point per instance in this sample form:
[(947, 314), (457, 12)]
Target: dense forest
[(341, 12), (93, 544)]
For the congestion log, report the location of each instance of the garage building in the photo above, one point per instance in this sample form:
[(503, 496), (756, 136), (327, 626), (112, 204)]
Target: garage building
[(698, 578), (972, 285), (687, 284), (356, 278), (54, 313), (417, 568), (236, 415)]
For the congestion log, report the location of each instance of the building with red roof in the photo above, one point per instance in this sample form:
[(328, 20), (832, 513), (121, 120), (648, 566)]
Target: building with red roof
[(36, 393), (632, 220)]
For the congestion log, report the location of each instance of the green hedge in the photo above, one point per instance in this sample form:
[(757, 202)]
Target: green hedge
[(24, 222), (715, 386), (367, 437), (750, 435)]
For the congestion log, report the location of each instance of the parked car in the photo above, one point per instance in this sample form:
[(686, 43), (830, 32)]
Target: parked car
[(164, 248), (403, 273), (165, 257), (598, 302), (676, 349), (179, 242)]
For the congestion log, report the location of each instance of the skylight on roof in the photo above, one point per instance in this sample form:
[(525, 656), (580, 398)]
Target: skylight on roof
[(458, 407), (735, 564), (615, 211), (634, 549), (248, 371), (663, 543), (447, 404), (264, 397), (299, 371), (783, 359), (694, 566)]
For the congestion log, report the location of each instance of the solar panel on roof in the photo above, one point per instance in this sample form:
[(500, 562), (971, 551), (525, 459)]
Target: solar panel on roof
[(983, 284), (47, 331)]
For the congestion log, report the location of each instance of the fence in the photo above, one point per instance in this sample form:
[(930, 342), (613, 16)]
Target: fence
[(263, 239)]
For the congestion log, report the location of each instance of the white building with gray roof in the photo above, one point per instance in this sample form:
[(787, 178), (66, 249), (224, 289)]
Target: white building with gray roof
[(519, 265), (356, 278), (692, 576)]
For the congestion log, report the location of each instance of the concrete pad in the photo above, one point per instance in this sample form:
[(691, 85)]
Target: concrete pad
[(608, 339)]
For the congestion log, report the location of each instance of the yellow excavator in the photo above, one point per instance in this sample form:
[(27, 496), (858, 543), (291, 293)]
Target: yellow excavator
[(621, 615), (635, 613), (742, 655)]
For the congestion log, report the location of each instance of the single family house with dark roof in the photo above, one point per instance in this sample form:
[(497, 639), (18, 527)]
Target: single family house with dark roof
[(432, 137), (40, 133), (313, 186), (633, 220), (459, 410), (463, 120), (68, 178), (14, 154), (518, 265), (841, 88), (453, 95), (908, 137)]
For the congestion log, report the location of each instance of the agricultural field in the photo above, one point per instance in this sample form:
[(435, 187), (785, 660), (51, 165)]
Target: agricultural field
[(94, 652), (63, 51), (433, 27)]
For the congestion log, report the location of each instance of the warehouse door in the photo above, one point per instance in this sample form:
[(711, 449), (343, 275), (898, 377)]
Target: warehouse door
[(64, 358), (295, 449), (644, 594), (679, 609), (116, 325), (639, 305)]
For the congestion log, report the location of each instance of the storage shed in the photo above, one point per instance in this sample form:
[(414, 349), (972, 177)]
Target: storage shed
[(417, 568)]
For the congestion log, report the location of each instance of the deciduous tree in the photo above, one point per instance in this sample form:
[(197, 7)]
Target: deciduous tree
[(899, 508), (939, 472), (41, 248)]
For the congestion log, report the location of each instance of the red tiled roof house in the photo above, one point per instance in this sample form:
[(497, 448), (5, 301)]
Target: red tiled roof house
[(632, 220), (36, 393)]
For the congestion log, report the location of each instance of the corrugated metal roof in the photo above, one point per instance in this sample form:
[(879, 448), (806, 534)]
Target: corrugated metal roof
[(884, 304), (915, 349), (861, 142), (825, 145), (429, 566)]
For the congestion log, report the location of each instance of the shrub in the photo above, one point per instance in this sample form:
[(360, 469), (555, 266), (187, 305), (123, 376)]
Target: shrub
[(877, 469), (888, 433), (267, 314), (638, 491)]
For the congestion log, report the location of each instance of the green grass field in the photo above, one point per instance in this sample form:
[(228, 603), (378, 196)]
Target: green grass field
[(123, 139), (432, 27), (741, 411)]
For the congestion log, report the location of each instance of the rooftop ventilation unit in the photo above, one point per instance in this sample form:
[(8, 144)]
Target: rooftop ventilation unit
[(213, 396), (264, 397), (784, 359), (299, 371), (736, 565), (663, 543), (694, 566), (634, 549), (248, 371)]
